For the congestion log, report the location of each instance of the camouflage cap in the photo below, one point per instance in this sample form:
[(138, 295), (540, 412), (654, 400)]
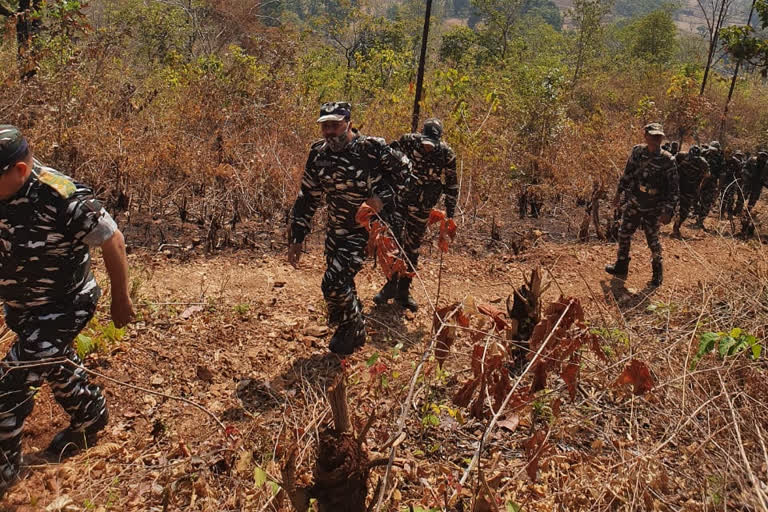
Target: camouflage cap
[(762, 154), (432, 131), (694, 151), (13, 146), (335, 111), (654, 129), (714, 144)]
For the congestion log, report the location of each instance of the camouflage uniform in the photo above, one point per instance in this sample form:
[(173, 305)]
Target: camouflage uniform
[(753, 180), (692, 170), (709, 192), (731, 185), (50, 294), (425, 188), (650, 186), (364, 168)]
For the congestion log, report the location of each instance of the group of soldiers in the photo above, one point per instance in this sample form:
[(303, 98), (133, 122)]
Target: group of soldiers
[(49, 223), (659, 180), (708, 178), (402, 181)]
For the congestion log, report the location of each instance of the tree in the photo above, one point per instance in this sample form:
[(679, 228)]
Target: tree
[(546, 10), (27, 26), (715, 13), (498, 17), (742, 44), (655, 37), (587, 17)]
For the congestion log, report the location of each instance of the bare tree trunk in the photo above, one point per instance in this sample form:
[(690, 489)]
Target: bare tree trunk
[(420, 73), (733, 83), (715, 36)]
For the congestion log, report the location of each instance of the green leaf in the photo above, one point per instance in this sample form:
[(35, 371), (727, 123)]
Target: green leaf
[(84, 345), (275, 487), (735, 332), (259, 476), (513, 507), (372, 360), (726, 346), (707, 343), (757, 349)]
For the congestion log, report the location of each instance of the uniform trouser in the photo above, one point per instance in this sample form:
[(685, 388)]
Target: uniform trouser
[(731, 196), (416, 215), (633, 218), (751, 195), (707, 199), (687, 204), (344, 256), (44, 335)]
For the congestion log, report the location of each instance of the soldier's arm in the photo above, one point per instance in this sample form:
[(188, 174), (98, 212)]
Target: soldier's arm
[(392, 178), (673, 189), (451, 186), (625, 182), (306, 203), (89, 223), (116, 262)]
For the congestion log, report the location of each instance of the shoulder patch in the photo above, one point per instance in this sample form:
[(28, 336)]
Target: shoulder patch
[(58, 182)]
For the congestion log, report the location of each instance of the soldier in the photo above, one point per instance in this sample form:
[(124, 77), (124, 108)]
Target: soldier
[(709, 190), (650, 188), (350, 169), (433, 161), (693, 171), (753, 179), (48, 223), (730, 185), (674, 147)]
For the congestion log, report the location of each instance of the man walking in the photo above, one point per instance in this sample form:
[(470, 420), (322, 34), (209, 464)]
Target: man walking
[(48, 223), (649, 186)]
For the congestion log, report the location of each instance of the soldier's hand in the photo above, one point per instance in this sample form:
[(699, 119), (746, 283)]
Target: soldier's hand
[(294, 254), (665, 218), (122, 311)]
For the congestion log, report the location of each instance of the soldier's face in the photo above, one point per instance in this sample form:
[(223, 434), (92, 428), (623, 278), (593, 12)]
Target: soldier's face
[(333, 128), (653, 141), (13, 179)]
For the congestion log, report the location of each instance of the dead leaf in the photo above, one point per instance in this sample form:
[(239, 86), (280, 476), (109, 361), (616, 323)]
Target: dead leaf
[(511, 423), (637, 374), (191, 310), (204, 374)]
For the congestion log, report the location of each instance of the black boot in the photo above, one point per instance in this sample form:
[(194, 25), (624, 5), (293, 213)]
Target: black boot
[(388, 291), (346, 339), (619, 269), (68, 442), (403, 297), (658, 273)]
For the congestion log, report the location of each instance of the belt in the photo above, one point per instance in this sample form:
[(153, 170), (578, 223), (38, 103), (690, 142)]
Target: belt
[(646, 190)]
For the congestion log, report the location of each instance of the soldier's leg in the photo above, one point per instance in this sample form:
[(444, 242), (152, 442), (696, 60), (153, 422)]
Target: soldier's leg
[(686, 201), (630, 220), (415, 227), (740, 194), (651, 228), (344, 257), (16, 403), (397, 226)]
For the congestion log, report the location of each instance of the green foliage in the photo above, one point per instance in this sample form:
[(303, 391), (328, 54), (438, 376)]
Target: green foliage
[(655, 37), (727, 344), (97, 337), (547, 10)]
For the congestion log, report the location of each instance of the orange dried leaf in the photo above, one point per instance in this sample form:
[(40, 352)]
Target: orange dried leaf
[(364, 215), (435, 216), (637, 374), (497, 316)]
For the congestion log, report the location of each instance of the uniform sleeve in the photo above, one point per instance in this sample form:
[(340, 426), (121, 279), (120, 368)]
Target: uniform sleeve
[(673, 189), (451, 185), (306, 203), (87, 220), (391, 179), (625, 182)]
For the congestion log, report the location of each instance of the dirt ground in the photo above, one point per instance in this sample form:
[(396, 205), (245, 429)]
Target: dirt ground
[(242, 334)]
